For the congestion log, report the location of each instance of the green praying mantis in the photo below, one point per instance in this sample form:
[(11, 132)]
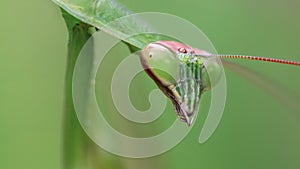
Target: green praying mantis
[(193, 79), (189, 65)]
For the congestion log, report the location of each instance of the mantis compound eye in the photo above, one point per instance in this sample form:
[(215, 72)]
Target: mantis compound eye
[(160, 64), (182, 50)]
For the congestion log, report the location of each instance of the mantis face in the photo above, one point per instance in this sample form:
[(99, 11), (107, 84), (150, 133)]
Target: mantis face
[(180, 72)]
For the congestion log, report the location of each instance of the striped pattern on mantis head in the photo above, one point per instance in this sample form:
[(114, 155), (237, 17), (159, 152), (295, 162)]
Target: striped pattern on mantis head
[(181, 73)]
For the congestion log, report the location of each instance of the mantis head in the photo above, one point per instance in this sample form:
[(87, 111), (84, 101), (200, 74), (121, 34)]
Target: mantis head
[(181, 73)]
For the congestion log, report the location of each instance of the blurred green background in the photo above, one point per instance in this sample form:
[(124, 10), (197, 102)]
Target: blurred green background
[(255, 132)]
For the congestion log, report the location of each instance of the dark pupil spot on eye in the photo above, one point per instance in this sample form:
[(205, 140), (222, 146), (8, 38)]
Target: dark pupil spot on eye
[(182, 50)]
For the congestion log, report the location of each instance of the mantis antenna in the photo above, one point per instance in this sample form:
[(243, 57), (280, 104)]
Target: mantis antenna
[(259, 58)]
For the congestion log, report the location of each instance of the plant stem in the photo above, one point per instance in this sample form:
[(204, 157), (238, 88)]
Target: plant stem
[(73, 134), (79, 151)]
